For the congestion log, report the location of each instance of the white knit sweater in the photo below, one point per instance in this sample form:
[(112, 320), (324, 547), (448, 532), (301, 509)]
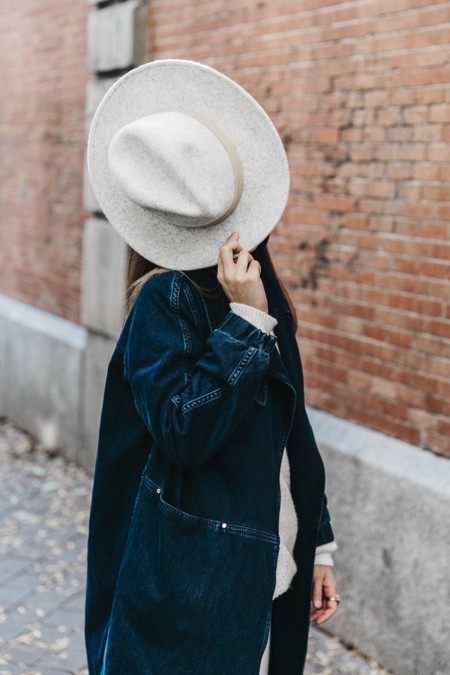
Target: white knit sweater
[(288, 522)]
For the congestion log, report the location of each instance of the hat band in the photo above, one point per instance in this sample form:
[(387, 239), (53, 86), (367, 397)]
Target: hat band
[(234, 159)]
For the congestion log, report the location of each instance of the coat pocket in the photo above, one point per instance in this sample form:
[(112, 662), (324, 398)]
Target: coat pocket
[(207, 524), (191, 589)]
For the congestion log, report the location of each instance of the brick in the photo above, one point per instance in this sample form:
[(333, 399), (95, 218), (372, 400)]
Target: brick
[(334, 204), (427, 171), (328, 136), (443, 173), (375, 99), (427, 132), (399, 171), (438, 113), (415, 114), (443, 427), (388, 116), (402, 96), (428, 95), (356, 222), (436, 192)]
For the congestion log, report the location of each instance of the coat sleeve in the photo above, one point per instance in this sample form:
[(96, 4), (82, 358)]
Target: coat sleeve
[(191, 391), (325, 532)]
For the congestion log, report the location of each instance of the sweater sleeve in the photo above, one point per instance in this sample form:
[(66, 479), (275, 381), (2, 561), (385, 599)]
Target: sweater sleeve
[(323, 553), (261, 320), (267, 323)]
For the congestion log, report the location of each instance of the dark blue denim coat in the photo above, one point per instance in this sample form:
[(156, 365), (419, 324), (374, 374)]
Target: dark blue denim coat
[(183, 532)]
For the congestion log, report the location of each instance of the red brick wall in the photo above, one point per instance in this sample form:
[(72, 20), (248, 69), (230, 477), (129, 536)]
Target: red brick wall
[(360, 93), (42, 85)]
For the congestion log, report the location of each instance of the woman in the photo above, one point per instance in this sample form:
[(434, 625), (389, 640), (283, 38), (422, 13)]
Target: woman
[(209, 524)]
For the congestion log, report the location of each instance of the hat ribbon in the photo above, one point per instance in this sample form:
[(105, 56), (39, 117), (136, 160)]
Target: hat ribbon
[(234, 159)]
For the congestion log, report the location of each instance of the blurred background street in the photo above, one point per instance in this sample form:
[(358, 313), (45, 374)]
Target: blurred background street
[(44, 505)]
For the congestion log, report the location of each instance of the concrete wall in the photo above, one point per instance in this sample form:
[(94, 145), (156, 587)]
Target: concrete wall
[(52, 375), (390, 506), (389, 501), (41, 364)]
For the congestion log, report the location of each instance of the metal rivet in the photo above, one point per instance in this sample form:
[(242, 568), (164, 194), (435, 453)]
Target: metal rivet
[(224, 525), (158, 490)]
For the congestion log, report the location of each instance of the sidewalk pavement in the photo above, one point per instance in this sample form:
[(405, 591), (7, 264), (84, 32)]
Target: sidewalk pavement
[(44, 503)]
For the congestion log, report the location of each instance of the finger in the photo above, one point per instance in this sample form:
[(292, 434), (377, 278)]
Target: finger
[(325, 615), (329, 590), (226, 253), (317, 592), (242, 262), (232, 239), (254, 268), (324, 610), (317, 610), (219, 266), (329, 582), (314, 614)]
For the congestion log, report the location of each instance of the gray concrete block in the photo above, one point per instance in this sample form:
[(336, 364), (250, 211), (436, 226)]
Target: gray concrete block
[(116, 36), (40, 383), (103, 278), (95, 364), (95, 91), (390, 504), (90, 202)]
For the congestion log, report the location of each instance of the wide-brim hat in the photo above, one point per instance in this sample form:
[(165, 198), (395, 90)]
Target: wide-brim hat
[(180, 156)]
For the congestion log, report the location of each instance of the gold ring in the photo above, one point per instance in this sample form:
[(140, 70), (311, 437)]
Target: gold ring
[(336, 598)]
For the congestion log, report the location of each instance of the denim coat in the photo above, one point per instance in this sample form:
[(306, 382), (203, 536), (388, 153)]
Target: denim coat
[(183, 530)]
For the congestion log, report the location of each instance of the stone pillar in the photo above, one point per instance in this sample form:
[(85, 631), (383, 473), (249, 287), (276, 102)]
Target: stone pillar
[(116, 43)]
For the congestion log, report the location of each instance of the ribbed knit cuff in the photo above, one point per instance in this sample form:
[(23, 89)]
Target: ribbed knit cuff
[(261, 320), (323, 554)]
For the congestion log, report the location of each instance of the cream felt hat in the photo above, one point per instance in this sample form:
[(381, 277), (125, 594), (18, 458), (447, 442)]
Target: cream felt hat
[(180, 156)]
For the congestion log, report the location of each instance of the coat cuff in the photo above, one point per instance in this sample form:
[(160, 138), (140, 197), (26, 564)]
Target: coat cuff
[(240, 329)]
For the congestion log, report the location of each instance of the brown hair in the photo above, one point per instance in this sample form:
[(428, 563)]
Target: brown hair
[(140, 269)]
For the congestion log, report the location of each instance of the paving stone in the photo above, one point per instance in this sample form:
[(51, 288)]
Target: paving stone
[(12, 597), (12, 669), (70, 620), (64, 663), (43, 571), (75, 603), (10, 627), (10, 567), (24, 581), (24, 655)]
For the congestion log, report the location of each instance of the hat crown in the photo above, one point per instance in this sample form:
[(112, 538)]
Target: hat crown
[(173, 163)]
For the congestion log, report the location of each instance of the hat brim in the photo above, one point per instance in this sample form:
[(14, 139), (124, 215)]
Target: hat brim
[(179, 84)]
